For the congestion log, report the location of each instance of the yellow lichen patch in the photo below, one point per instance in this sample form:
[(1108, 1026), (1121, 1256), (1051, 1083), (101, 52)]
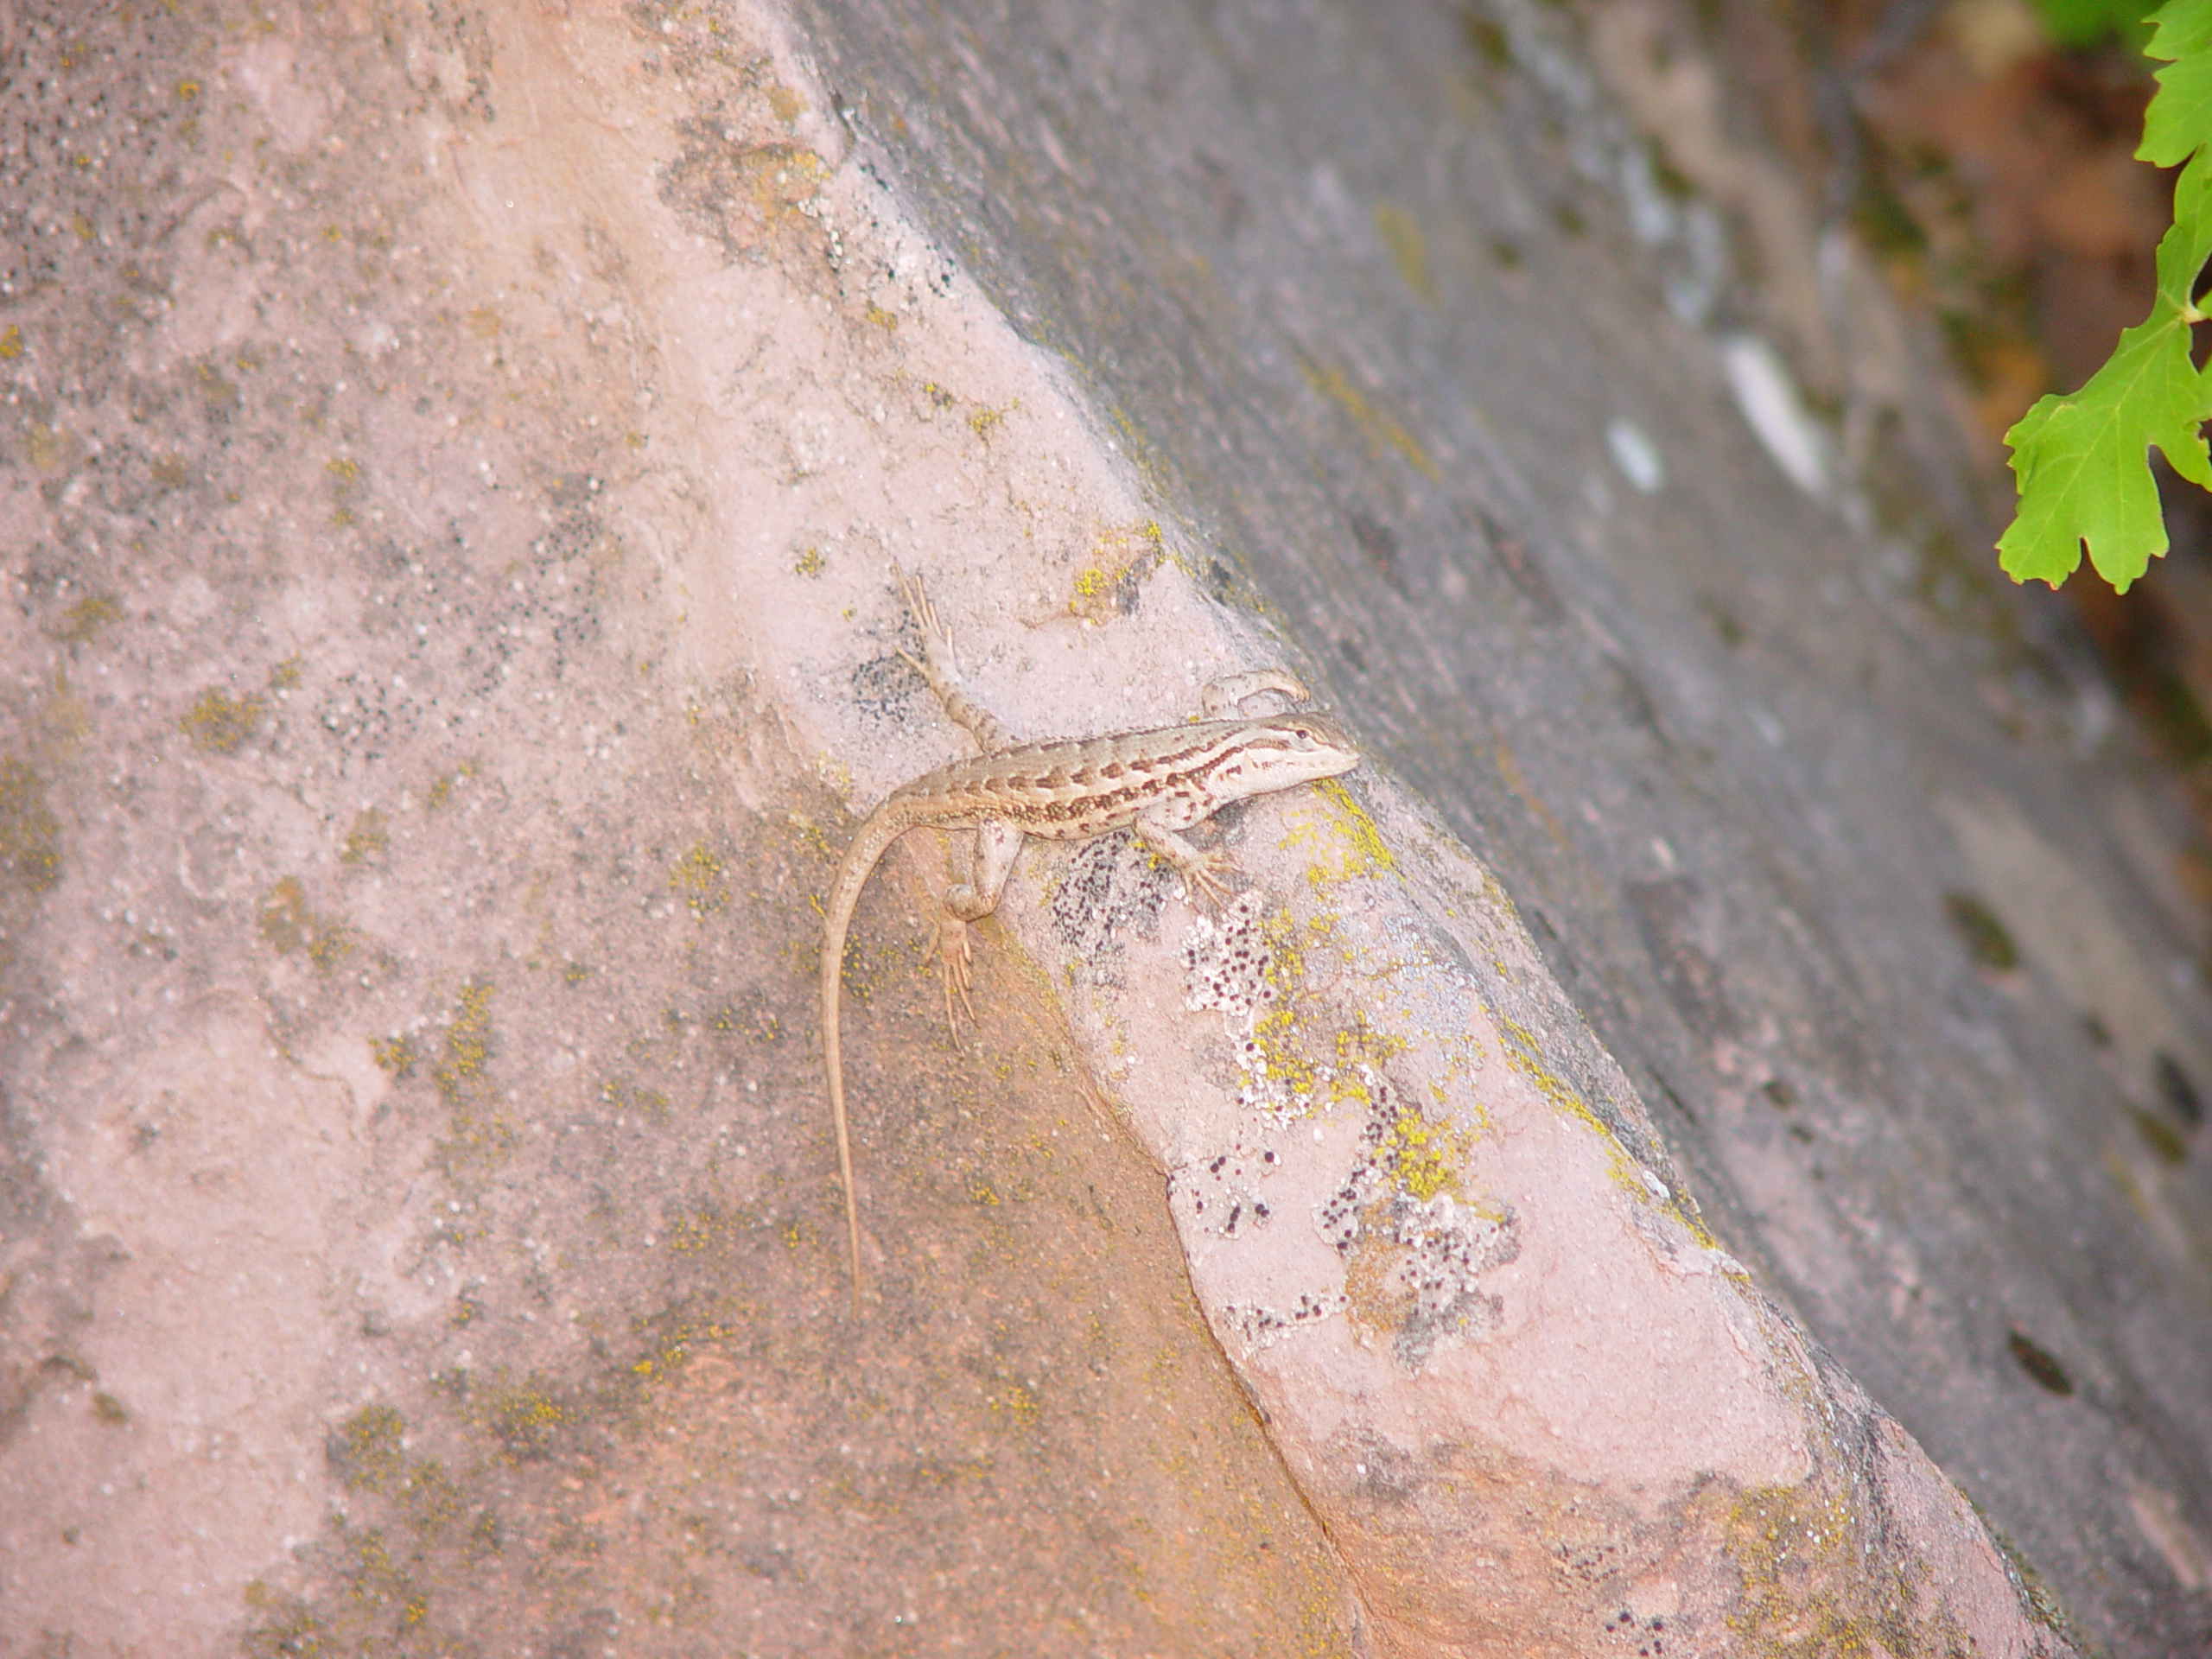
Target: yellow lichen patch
[(460, 1077), (393, 1055), (1015, 1401), (429, 1497), (1380, 432), (220, 393), (286, 674), (886, 320), (30, 834), (374, 1581), (626, 1097), (64, 720), (1360, 1049), (668, 1350), (1401, 234), (49, 449), (345, 475), (459, 1071), (369, 838), (1119, 554), (218, 724), (1808, 1587), (1420, 1156), (1524, 1056), (524, 1417), (82, 620), (984, 420), (11, 343), (367, 1452), (291, 1628), (809, 563), (1519, 1046), (443, 785), (285, 921), (1296, 1061), (288, 924), (1340, 842), (694, 1235), (698, 878)]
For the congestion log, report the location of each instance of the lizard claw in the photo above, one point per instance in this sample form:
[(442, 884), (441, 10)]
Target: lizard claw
[(918, 603), (1208, 876), (953, 952)]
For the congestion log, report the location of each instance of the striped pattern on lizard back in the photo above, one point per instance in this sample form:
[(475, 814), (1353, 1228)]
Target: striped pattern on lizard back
[(1158, 782), (1072, 789)]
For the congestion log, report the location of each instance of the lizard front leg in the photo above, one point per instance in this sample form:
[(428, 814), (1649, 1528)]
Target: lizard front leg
[(996, 844), (1204, 869)]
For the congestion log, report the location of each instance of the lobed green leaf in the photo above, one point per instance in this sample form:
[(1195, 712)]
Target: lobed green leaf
[(2179, 121), (2081, 462)]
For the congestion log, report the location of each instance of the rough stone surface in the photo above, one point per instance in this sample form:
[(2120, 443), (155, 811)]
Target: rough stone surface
[(1836, 843), (453, 463)]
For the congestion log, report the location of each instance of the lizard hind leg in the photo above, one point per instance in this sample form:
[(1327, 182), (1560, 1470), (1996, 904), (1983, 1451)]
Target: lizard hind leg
[(957, 961), (942, 675), (971, 901)]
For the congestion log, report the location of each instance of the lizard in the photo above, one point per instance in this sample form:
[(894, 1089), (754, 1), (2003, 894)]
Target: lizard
[(1158, 782)]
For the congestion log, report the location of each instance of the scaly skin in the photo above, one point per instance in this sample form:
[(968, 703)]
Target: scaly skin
[(1158, 782)]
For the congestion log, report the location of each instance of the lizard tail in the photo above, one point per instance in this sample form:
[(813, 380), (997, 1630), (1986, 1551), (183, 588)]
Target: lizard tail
[(878, 833)]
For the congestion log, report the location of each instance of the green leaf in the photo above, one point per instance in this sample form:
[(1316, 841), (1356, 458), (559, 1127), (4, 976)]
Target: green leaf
[(2179, 121), (2084, 23), (2083, 461)]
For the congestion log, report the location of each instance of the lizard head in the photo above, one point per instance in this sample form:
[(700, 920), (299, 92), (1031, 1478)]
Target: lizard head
[(1280, 753)]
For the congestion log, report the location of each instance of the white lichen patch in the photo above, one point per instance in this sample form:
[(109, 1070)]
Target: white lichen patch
[(1257, 1326), (1415, 1248), (1225, 964), (1220, 1195), (1251, 968)]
